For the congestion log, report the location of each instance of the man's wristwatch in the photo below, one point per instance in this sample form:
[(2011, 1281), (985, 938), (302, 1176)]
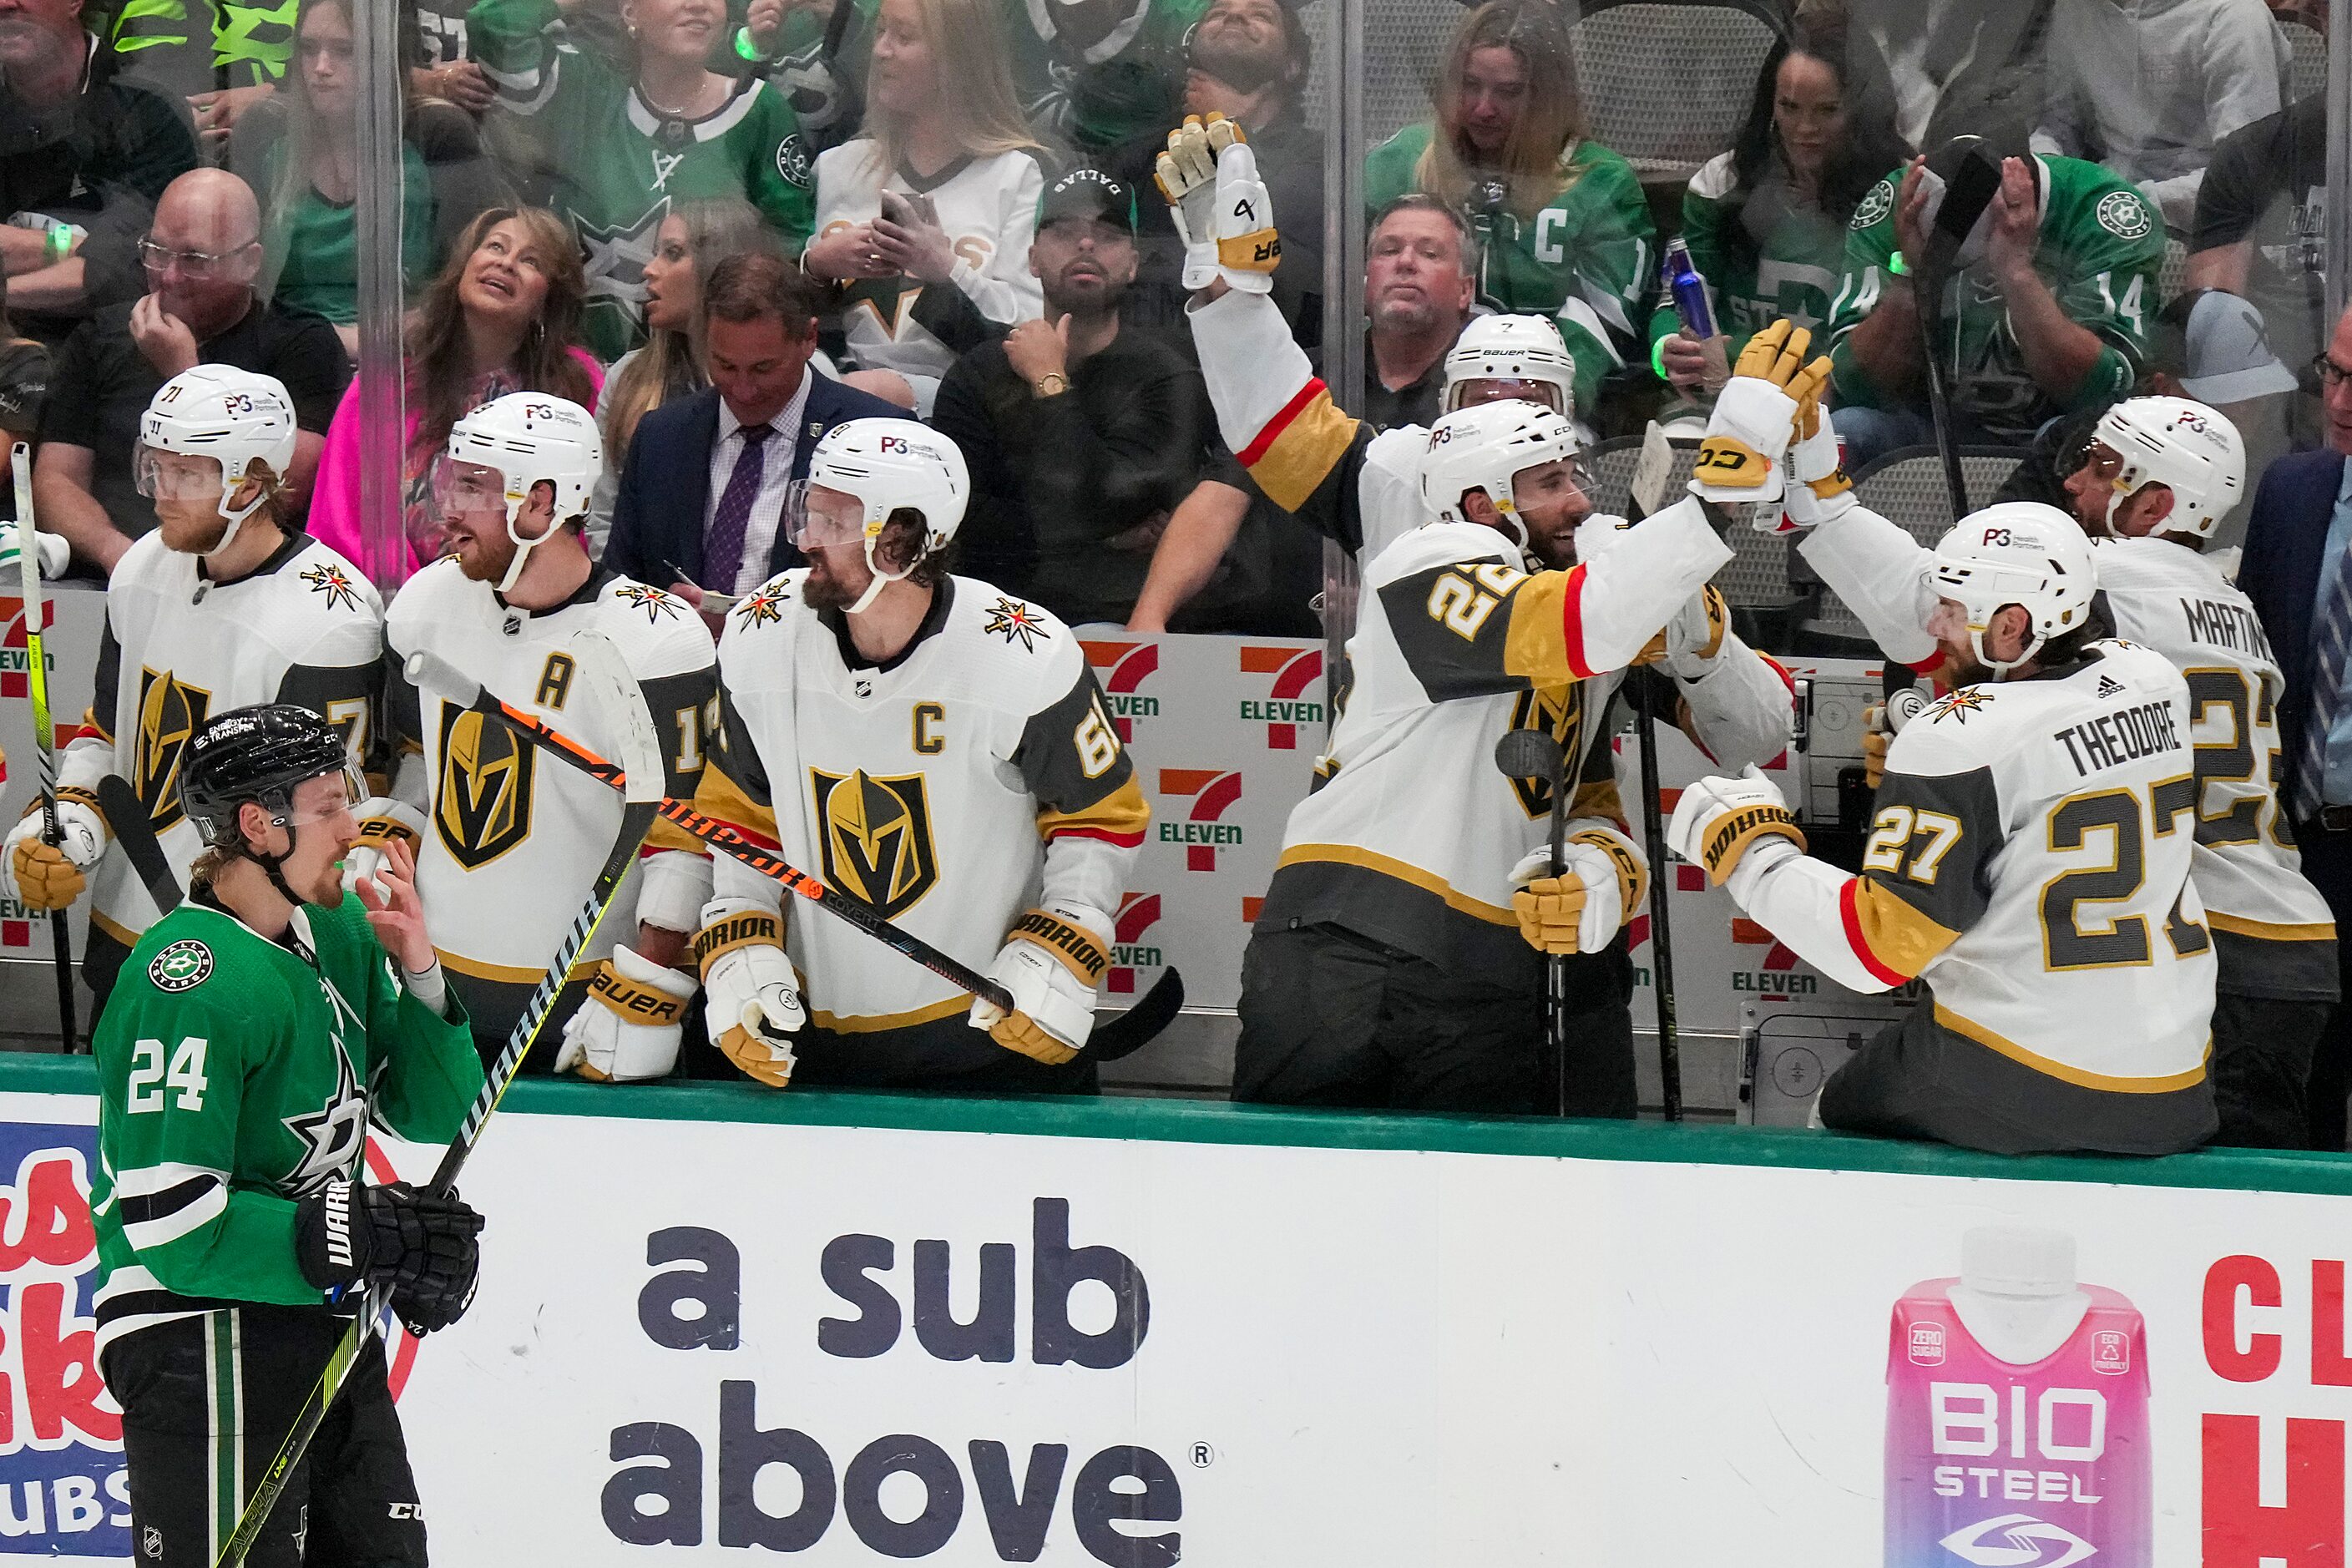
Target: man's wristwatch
[(1053, 384)]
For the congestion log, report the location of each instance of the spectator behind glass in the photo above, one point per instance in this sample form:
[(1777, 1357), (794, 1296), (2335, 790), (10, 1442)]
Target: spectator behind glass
[(925, 222), (2146, 88), (693, 240), (1562, 220), (1250, 60), (201, 256), (1231, 561), (1767, 221), (83, 156), (310, 180), (1081, 437), (617, 151), (24, 385), (1940, 68), (503, 316), (2045, 313)]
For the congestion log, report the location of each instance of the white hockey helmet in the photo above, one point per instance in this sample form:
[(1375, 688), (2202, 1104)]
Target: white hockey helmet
[(882, 465), (1525, 349), (1485, 448), (512, 444), (230, 415), (2018, 553), (2190, 448)]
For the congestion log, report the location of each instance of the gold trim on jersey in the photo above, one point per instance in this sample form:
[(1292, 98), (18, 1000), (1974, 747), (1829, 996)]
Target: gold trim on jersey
[(720, 796), (506, 973), (1427, 881), (126, 937), (875, 837), (92, 724), (875, 1023), (2263, 931), (1900, 939), (1535, 639), (1302, 450), (1123, 814), (170, 713), (482, 800), (2080, 1076)]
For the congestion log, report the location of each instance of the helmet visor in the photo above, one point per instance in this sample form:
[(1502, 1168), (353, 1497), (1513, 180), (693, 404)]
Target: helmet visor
[(1473, 390), (326, 797), (461, 489), (166, 475), (817, 517)]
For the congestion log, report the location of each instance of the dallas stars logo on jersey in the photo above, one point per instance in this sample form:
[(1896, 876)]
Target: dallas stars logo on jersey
[(482, 799), (333, 1133), (877, 837), (169, 713)]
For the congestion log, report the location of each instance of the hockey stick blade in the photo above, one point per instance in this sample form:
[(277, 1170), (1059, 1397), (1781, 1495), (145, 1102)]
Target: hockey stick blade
[(136, 834), (1124, 1034)]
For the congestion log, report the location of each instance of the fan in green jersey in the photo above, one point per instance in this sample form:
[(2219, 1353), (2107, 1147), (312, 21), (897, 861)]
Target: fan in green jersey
[(256, 1031), (1563, 220)]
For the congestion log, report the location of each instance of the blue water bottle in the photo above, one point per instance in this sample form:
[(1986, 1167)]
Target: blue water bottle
[(1688, 286)]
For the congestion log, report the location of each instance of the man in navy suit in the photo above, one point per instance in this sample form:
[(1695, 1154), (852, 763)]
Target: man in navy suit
[(2298, 563), (701, 498)]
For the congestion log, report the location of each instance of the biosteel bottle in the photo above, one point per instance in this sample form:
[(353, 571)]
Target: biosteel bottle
[(2016, 1415)]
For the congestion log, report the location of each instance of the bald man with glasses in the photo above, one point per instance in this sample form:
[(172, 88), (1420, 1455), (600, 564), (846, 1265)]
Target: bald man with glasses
[(201, 256), (2298, 571)]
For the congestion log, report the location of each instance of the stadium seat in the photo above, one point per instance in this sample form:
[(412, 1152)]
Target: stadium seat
[(2308, 74), (1667, 82), (1906, 486)]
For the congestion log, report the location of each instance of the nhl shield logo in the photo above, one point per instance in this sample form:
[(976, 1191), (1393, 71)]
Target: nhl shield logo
[(482, 799), (877, 837), (169, 714)]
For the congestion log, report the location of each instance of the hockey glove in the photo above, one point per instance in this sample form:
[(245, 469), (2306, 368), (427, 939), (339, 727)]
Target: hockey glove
[(44, 876), (1818, 487), (1875, 740), (1717, 820), (1742, 457), (1692, 642), (629, 1027), (1603, 881), (56, 553), (754, 1008), (382, 820), (1220, 206), (420, 1245), (1050, 962)]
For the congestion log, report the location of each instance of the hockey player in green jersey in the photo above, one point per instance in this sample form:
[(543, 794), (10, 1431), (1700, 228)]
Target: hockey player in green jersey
[(255, 1032), (617, 153), (1565, 227), (2046, 312)]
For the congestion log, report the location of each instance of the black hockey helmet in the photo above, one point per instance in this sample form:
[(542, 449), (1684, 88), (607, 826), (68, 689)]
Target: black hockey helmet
[(259, 754)]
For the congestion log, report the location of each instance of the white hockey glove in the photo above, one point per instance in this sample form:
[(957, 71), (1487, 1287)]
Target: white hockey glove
[(1717, 820), (382, 820), (1220, 208), (56, 553), (49, 876), (1050, 962), (1603, 881), (1819, 489), (629, 1027), (1743, 456), (754, 1008), (1692, 642)]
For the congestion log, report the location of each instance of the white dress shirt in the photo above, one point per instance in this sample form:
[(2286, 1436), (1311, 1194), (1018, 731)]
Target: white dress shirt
[(775, 475)]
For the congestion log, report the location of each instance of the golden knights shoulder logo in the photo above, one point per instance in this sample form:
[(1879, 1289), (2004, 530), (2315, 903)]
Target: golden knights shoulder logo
[(1560, 711), (877, 837), (482, 799), (169, 713)]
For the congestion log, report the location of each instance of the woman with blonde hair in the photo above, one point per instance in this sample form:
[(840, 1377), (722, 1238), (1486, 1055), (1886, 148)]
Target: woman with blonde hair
[(1565, 230), (925, 221), (503, 316)]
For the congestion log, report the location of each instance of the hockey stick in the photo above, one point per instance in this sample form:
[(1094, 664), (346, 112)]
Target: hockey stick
[(1536, 756), (642, 784), (1122, 1035), (136, 833), (1662, 941), (45, 733), (1969, 191)]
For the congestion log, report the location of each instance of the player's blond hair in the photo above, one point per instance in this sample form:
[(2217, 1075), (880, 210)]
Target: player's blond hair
[(975, 95), (1550, 124)]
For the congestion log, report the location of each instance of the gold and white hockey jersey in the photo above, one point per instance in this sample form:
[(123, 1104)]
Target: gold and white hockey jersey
[(1412, 836), (2271, 931), (514, 838), (305, 627), (2030, 860), (975, 775)]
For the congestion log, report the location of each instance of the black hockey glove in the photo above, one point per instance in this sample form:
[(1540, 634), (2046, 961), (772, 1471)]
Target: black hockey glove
[(420, 1245)]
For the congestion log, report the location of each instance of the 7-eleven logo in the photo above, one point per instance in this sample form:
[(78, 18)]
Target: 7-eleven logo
[(1776, 977), (1121, 667), (1284, 707), (15, 658), (1128, 953), (1200, 832)]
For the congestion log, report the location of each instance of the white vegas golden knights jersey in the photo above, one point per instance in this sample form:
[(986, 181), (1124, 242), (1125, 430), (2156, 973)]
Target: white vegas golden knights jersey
[(2273, 934), (1412, 835), (515, 837), (306, 628), (973, 777)]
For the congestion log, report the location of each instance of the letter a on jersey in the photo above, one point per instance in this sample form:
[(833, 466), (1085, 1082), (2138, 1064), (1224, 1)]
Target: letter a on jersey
[(877, 837), (482, 799), (169, 713)]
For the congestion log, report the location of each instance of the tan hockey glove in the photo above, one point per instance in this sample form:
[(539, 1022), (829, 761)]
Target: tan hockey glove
[(1050, 962), (754, 1005), (44, 876)]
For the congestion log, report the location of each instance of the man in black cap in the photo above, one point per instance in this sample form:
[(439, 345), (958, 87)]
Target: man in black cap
[(1081, 437)]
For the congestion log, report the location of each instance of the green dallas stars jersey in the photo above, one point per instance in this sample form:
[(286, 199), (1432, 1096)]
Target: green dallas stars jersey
[(196, 46), (612, 165), (2099, 250), (233, 1078), (1589, 258), (1792, 272)]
